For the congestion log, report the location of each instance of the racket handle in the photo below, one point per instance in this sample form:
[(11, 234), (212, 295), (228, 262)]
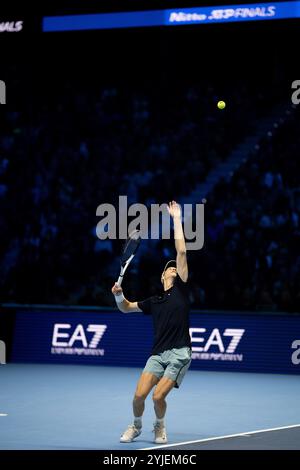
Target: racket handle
[(120, 280)]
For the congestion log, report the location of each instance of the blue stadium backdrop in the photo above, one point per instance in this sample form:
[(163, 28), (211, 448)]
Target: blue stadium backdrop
[(233, 342)]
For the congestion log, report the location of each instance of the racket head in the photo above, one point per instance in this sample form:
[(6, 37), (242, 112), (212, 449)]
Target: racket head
[(131, 245)]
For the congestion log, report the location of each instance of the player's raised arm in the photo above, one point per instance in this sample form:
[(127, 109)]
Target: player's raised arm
[(181, 259), (123, 304)]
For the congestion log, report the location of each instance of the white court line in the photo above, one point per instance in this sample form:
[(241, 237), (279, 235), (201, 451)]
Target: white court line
[(223, 437), (3, 414)]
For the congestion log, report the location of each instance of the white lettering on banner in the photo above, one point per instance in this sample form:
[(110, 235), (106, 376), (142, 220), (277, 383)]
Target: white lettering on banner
[(79, 335), (222, 14), (215, 339), (181, 16), (217, 357), (11, 26), (99, 332), (296, 354), (197, 339), (236, 338), (78, 351), (57, 334)]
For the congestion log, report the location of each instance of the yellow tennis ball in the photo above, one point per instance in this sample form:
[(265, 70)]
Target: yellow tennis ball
[(221, 104)]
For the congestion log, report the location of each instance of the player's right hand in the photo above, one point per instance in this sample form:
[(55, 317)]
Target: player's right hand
[(116, 289)]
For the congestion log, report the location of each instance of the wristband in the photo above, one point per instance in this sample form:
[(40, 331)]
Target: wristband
[(119, 298)]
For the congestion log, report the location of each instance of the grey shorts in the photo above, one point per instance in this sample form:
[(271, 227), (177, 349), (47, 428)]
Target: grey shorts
[(172, 363)]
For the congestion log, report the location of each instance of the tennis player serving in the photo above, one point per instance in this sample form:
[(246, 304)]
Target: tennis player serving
[(171, 354)]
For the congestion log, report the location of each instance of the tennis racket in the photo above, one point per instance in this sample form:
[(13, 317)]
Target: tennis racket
[(129, 251)]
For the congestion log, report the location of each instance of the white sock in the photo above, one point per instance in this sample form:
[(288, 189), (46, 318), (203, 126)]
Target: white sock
[(138, 422), (160, 421)]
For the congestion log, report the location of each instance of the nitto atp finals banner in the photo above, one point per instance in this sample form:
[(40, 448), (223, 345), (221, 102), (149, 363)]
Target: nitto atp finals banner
[(174, 17)]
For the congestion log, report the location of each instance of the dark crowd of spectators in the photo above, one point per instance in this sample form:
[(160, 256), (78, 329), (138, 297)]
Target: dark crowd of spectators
[(60, 160), (251, 259)]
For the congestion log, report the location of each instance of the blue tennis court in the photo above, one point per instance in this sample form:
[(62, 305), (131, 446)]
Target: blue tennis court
[(69, 407)]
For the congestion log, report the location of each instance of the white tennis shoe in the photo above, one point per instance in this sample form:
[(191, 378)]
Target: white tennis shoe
[(160, 434), (131, 433)]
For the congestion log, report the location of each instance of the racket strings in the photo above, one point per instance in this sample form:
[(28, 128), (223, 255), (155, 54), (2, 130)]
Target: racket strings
[(131, 245)]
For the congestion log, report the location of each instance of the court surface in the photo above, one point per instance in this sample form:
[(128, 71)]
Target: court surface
[(69, 407)]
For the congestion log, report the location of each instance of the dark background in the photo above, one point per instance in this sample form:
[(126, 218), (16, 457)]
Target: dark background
[(54, 82)]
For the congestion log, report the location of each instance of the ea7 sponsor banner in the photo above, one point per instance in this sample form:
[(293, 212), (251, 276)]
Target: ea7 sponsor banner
[(77, 340), (233, 342), (226, 350)]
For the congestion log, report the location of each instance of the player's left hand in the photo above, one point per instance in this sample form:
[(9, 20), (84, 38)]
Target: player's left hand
[(174, 209)]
